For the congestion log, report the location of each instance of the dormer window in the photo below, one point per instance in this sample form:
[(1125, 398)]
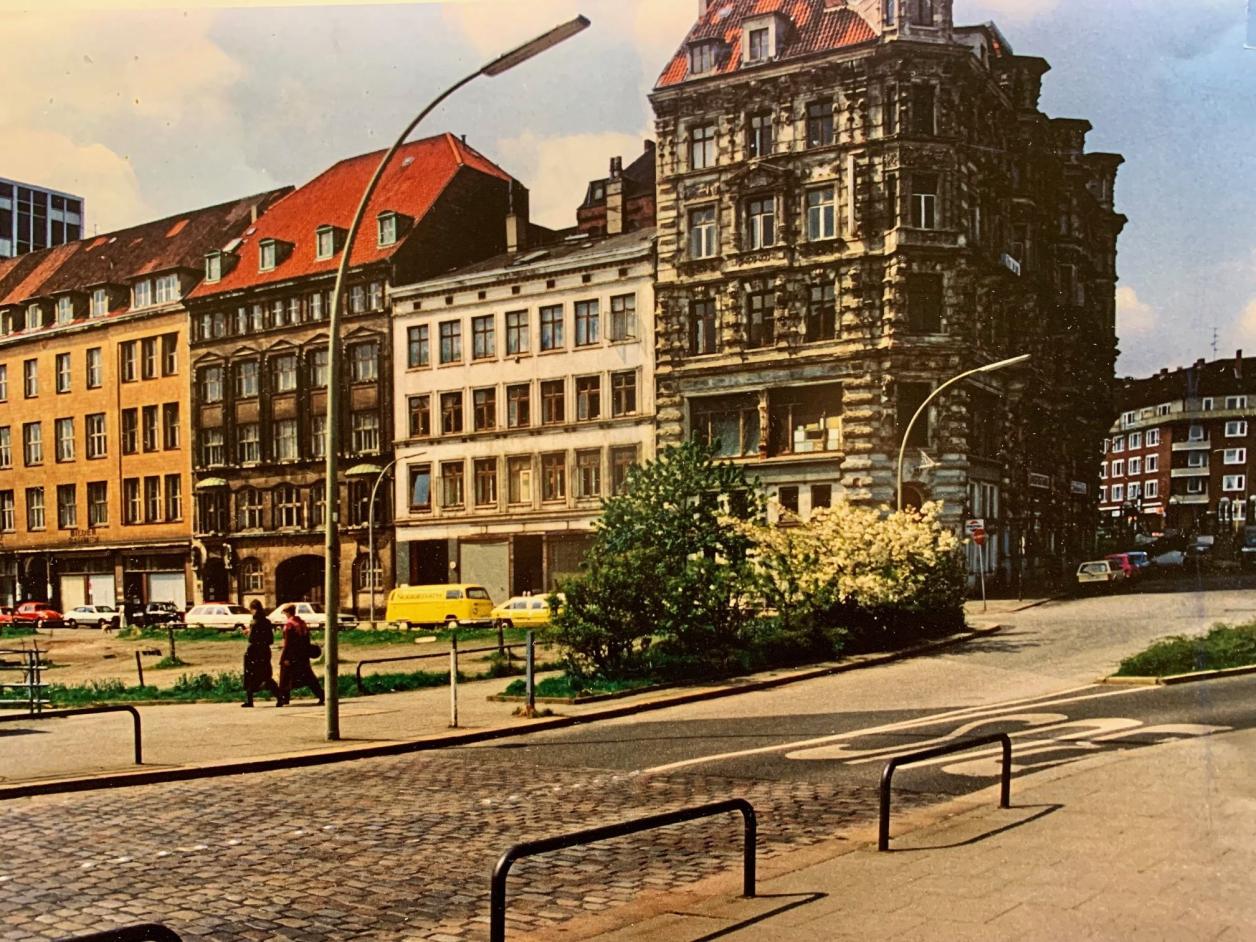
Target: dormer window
[(213, 267), (34, 317), (65, 309), (387, 225), (702, 58), (268, 254), (6, 322), (324, 242), (759, 45), (100, 302), (167, 289)]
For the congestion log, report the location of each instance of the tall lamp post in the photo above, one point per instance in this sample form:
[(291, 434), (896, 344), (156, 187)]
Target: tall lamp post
[(902, 451), (368, 470), (331, 543)]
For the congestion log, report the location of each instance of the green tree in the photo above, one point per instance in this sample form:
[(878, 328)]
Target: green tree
[(664, 588)]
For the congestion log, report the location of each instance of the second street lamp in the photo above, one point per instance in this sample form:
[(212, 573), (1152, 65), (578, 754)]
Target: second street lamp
[(331, 541)]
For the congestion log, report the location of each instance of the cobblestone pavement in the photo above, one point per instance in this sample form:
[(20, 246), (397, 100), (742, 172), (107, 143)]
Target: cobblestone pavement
[(397, 848)]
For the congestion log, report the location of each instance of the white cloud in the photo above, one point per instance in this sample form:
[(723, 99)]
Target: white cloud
[(1134, 315), (557, 169), (1246, 327)]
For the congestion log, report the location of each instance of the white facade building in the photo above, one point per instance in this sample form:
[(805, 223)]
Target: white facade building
[(35, 217), (523, 390)]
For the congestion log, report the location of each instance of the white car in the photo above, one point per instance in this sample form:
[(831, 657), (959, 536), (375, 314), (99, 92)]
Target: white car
[(313, 615), (217, 615), (1099, 572), (99, 616)]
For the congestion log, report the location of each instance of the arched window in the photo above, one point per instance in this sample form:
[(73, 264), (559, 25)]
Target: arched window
[(364, 574), (248, 509), (251, 579), (289, 509)]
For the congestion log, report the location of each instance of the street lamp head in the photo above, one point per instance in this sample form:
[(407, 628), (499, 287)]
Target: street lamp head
[(537, 46), (1003, 364)]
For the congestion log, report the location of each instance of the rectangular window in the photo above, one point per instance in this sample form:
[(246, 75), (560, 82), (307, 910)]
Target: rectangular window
[(418, 346), (319, 305), (451, 484), (34, 508), (451, 413), (148, 357), (924, 200), (420, 412), (285, 373), (821, 214), (33, 444), (1135, 466), (1136, 440), (554, 476), (588, 323), (94, 429), (1153, 437), (149, 416), (588, 397), (702, 147), (451, 342), (211, 384), (167, 289), (30, 378), (820, 124), (357, 299), (62, 363), (1195, 434), (483, 337), (1118, 492), (1118, 444), (484, 409), (702, 242), (589, 474), (318, 437), (1236, 402), (1234, 482), (822, 313), (516, 332), (623, 458), (486, 482), (152, 499), (821, 496), (728, 423), (1134, 490), (142, 293), (95, 378), (1235, 429), (759, 312), (924, 304), (213, 449), (365, 435), (6, 447), (174, 497), (624, 317), (758, 135), (908, 398), (805, 419), (319, 368), (128, 361), (702, 58), (553, 402), (552, 327), (8, 515), (519, 480), (64, 432), (1151, 489), (248, 443), (131, 503), (1194, 459), (98, 503), (420, 487), (760, 45), (519, 405), (702, 337), (364, 362), (1152, 463), (761, 223), (924, 110), (65, 310), (246, 384), (1233, 456), (624, 393), (324, 242), (287, 438), (100, 303), (387, 231), (4, 381), (1118, 468)]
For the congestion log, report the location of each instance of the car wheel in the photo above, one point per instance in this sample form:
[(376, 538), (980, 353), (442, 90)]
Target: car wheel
[(237, 627), (102, 624), (70, 623)]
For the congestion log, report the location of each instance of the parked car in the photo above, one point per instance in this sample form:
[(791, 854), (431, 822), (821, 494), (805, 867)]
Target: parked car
[(313, 615), (1134, 565), (160, 613), (1100, 573), (523, 611), (6, 614), (98, 616), (413, 605), (217, 615), (39, 614), (1170, 559)]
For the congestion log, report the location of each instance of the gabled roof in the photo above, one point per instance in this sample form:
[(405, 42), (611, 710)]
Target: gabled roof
[(817, 26), (172, 244), (417, 175)]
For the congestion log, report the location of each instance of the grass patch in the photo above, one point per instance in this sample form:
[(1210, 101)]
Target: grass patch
[(16, 631), (564, 685), (1224, 646), (169, 662)]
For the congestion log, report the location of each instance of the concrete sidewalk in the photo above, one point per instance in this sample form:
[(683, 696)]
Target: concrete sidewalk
[(1153, 843)]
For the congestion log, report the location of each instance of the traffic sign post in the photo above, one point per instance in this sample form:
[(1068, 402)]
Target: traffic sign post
[(976, 530)]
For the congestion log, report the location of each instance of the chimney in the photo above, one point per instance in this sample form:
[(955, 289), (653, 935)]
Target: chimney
[(615, 198), (516, 224), (1238, 364)]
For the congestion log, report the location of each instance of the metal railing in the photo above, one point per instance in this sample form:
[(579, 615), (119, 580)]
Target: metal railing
[(87, 711), (924, 755), (357, 671), (147, 932), (30, 664), (497, 902)]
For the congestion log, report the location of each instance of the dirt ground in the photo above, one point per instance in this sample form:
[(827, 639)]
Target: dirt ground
[(82, 655)]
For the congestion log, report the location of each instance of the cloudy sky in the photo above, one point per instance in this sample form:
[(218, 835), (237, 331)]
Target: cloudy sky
[(147, 109)]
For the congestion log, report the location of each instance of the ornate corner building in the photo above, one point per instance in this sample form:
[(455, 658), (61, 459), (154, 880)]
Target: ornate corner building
[(858, 200)]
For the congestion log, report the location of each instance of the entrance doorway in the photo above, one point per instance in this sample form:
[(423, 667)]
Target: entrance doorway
[(214, 580), (528, 569), (299, 579), (429, 562)]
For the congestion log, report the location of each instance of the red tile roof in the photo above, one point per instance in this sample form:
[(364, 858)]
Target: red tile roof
[(165, 245), (417, 175), (818, 26)]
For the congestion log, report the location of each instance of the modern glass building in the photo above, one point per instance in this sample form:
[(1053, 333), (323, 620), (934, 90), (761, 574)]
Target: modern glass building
[(35, 217)]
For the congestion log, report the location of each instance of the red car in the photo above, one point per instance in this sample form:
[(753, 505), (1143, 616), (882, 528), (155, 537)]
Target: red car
[(39, 614)]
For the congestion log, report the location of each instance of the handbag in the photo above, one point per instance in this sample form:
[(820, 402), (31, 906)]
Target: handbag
[(315, 651)]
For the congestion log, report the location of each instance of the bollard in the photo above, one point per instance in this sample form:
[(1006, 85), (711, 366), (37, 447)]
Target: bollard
[(530, 710), (139, 668), (453, 681)]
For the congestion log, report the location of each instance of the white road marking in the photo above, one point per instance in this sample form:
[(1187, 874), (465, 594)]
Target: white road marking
[(842, 751), (987, 710)]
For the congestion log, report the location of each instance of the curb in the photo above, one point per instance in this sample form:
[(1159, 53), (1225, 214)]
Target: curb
[(1171, 680), (154, 776)]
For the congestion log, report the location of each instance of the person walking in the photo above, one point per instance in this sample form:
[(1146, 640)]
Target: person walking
[(257, 670), (294, 658)]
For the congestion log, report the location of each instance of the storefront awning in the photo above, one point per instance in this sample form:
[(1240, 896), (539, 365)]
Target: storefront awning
[(206, 483)]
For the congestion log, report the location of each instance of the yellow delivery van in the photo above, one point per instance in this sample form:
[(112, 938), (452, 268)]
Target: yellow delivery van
[(415, 605)]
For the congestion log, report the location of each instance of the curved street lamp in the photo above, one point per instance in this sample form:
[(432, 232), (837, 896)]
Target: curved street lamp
[(902, 451), (331, 542)]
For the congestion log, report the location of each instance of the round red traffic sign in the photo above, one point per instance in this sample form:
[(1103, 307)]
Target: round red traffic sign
[(979, 537)]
